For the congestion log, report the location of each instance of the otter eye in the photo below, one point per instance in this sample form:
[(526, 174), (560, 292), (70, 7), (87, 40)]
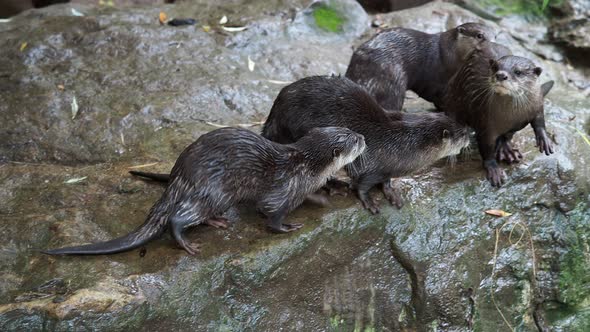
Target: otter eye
[(336, 153), (446, 134), (479, 36), (517, 72)]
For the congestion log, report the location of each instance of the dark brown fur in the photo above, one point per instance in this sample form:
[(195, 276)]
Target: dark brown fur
[(394, 148), (497, 95), (399, 59), (228, 166)]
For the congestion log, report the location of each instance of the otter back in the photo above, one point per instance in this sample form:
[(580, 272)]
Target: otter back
[(399, 59), (394, 148)]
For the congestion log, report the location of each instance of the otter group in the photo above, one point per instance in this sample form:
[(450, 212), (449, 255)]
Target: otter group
[(320, 124)]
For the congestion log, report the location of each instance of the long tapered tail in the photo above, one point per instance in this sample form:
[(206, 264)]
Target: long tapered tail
[(151, 229), (160, 177)]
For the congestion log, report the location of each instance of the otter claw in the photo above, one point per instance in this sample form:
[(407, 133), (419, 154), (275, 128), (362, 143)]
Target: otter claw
[(496, 176), (370, 205), (192, 249), (508, 154), (542, 141), (286, 228), (393, 195)]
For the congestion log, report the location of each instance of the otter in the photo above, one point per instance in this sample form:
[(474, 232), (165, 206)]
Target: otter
[(394, 148), (231, 165), (399, 59), (498, 94)]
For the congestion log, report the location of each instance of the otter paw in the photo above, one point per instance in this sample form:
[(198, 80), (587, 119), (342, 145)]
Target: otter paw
[(496, 176), (337, 187), (191, 248), (332, 191), (508, 154), (544, 144), (393, 196), (370, 205), (218, 222), (286, 228)]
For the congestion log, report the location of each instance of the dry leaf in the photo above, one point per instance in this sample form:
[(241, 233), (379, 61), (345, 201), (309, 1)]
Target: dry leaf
[(74, 107), (215, 124), (76, 13), (251, 64), (278, 82), (223, 20), (163, 18), (23, 46), (498, 213), (234, 29), (75, 180), (144, 165), (206, 28)]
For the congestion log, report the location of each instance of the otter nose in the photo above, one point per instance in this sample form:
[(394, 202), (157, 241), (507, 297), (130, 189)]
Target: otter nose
[(501, 76)]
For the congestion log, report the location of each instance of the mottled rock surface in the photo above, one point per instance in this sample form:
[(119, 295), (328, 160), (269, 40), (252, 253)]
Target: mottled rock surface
[(145, 90)]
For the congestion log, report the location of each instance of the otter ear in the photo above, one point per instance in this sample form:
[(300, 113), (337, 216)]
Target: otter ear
[(336, 153), (494, 65), (461, 30), (446, 134), (538, 71)]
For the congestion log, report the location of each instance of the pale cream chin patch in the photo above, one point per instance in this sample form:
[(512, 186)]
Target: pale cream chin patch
[(501, 89)]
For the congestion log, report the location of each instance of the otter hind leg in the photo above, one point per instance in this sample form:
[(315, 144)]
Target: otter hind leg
[(179, 222), (275, 221), (390, 90)]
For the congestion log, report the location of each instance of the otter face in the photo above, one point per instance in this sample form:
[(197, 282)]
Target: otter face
[(344, 145), (513, 75), (469, 35), (455, 137)]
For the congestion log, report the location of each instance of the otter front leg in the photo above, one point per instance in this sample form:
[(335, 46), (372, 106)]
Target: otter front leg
[(486, 146), (364, 184), (275, 222), (505, 151), (392, 193), (542, 141)]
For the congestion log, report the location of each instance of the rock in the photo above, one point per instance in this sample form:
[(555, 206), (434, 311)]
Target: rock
[(573, 29), (438, 263)]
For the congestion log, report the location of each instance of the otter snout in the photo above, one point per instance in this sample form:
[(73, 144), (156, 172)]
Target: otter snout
[(501, 76)]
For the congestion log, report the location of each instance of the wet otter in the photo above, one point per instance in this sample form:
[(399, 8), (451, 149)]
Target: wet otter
[(498, 95), (394, 148), (399, 59), (228, 166)]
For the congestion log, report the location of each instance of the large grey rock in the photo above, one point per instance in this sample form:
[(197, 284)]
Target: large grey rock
[(439, 263), (573, 29)]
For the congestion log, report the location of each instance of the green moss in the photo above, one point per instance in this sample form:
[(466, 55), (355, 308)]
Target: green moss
[(574, 277), (328, 19)]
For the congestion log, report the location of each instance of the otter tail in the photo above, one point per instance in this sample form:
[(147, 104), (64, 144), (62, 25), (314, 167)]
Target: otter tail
[(546, 87), (153, 227), (160, 177)]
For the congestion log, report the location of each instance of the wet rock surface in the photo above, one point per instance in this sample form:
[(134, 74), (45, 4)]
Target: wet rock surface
[(144, 91)]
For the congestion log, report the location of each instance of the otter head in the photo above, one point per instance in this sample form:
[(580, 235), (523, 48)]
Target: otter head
[(469, 35), (336, 146), (514, 76), (454, 135), (441, 135)]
